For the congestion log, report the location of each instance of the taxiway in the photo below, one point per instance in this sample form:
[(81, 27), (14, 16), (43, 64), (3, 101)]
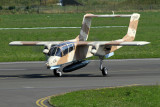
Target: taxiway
[(23, 83)]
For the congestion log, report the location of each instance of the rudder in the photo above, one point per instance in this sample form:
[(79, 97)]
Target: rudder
[(130, 36)]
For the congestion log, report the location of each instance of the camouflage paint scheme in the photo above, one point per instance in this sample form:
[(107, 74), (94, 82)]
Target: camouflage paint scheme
[(84, 49)]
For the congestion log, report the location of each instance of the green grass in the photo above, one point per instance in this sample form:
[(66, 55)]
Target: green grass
[(148, 30), (136, 96)]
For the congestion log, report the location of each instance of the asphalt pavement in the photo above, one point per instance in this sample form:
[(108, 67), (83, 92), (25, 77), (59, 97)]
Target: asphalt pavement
[(23, 83)]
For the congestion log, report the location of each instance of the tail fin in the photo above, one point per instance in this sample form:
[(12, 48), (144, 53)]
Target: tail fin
[(130, 36), (86, 23)]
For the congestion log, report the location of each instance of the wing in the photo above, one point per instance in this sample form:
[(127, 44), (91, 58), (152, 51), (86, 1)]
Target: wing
[(33, 43), (114, 43)]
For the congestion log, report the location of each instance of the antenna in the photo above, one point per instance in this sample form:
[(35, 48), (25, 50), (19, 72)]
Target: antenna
[(113, 12)]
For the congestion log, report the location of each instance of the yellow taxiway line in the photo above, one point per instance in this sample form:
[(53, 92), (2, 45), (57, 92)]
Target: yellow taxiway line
[(40, 102)]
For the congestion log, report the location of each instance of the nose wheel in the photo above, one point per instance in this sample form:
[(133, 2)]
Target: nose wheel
[(57, 72), (103, 69)]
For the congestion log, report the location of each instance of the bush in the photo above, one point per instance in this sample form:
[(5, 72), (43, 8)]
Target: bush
[(27, 8), (1, 7), (11, 7)]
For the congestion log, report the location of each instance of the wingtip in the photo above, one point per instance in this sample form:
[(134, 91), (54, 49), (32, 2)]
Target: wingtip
[(11, 43), (14, 43), (148, 42), (144, 43)]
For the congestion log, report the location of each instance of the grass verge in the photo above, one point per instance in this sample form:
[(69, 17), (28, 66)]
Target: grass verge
[(136, 96)]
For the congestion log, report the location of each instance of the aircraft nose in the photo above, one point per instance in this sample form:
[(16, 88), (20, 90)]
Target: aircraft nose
[(51, 61), (48, 67)]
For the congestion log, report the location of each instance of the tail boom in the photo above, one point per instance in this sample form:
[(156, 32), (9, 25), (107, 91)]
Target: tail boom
[(83, 36), (86, 23)]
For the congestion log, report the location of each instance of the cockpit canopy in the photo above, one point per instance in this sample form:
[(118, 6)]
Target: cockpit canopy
[(62, 49)]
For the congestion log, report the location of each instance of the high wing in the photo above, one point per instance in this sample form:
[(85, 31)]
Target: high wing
[(113, 43), (100, 43), (34, 43)]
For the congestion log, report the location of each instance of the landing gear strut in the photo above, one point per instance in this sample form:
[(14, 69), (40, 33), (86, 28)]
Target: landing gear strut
[(57, 72), (103, 69)]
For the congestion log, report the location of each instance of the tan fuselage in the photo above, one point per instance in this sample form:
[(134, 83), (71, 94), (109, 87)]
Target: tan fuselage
[(78, 53)]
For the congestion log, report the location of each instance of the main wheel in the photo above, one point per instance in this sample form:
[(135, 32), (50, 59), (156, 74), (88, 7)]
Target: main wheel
[(57, 73), (104, 71)]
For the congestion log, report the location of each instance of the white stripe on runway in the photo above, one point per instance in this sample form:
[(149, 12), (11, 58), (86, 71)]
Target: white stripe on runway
[(58, 27), (12, 69), (29, 62)]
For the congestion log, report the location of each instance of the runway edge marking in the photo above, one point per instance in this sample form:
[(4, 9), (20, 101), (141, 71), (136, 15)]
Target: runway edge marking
[(40, 102)]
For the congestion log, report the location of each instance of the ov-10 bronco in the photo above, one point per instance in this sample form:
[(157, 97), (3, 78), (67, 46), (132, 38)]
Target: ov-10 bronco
[(75, 51)]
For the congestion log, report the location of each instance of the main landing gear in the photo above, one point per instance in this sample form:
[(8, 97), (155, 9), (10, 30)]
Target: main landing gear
[(57, 72), (103, 69)]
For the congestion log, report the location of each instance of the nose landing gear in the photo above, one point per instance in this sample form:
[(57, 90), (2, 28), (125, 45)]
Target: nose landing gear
[(103, 69), (57, 72)]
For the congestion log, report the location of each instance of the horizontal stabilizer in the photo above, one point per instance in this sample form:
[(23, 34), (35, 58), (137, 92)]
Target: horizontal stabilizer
[(92, 15)]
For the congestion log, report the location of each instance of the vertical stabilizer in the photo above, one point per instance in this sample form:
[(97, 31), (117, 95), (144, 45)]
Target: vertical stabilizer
[(130, 36), (86, 23)]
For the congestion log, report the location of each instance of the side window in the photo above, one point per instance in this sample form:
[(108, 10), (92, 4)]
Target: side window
[(65, 50), (52, 51), (71, 47), (59, 52)]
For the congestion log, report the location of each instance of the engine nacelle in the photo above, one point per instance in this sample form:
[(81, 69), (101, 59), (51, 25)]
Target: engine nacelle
[(100, 50), (47, 48), (45, 51), (75, 66)]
